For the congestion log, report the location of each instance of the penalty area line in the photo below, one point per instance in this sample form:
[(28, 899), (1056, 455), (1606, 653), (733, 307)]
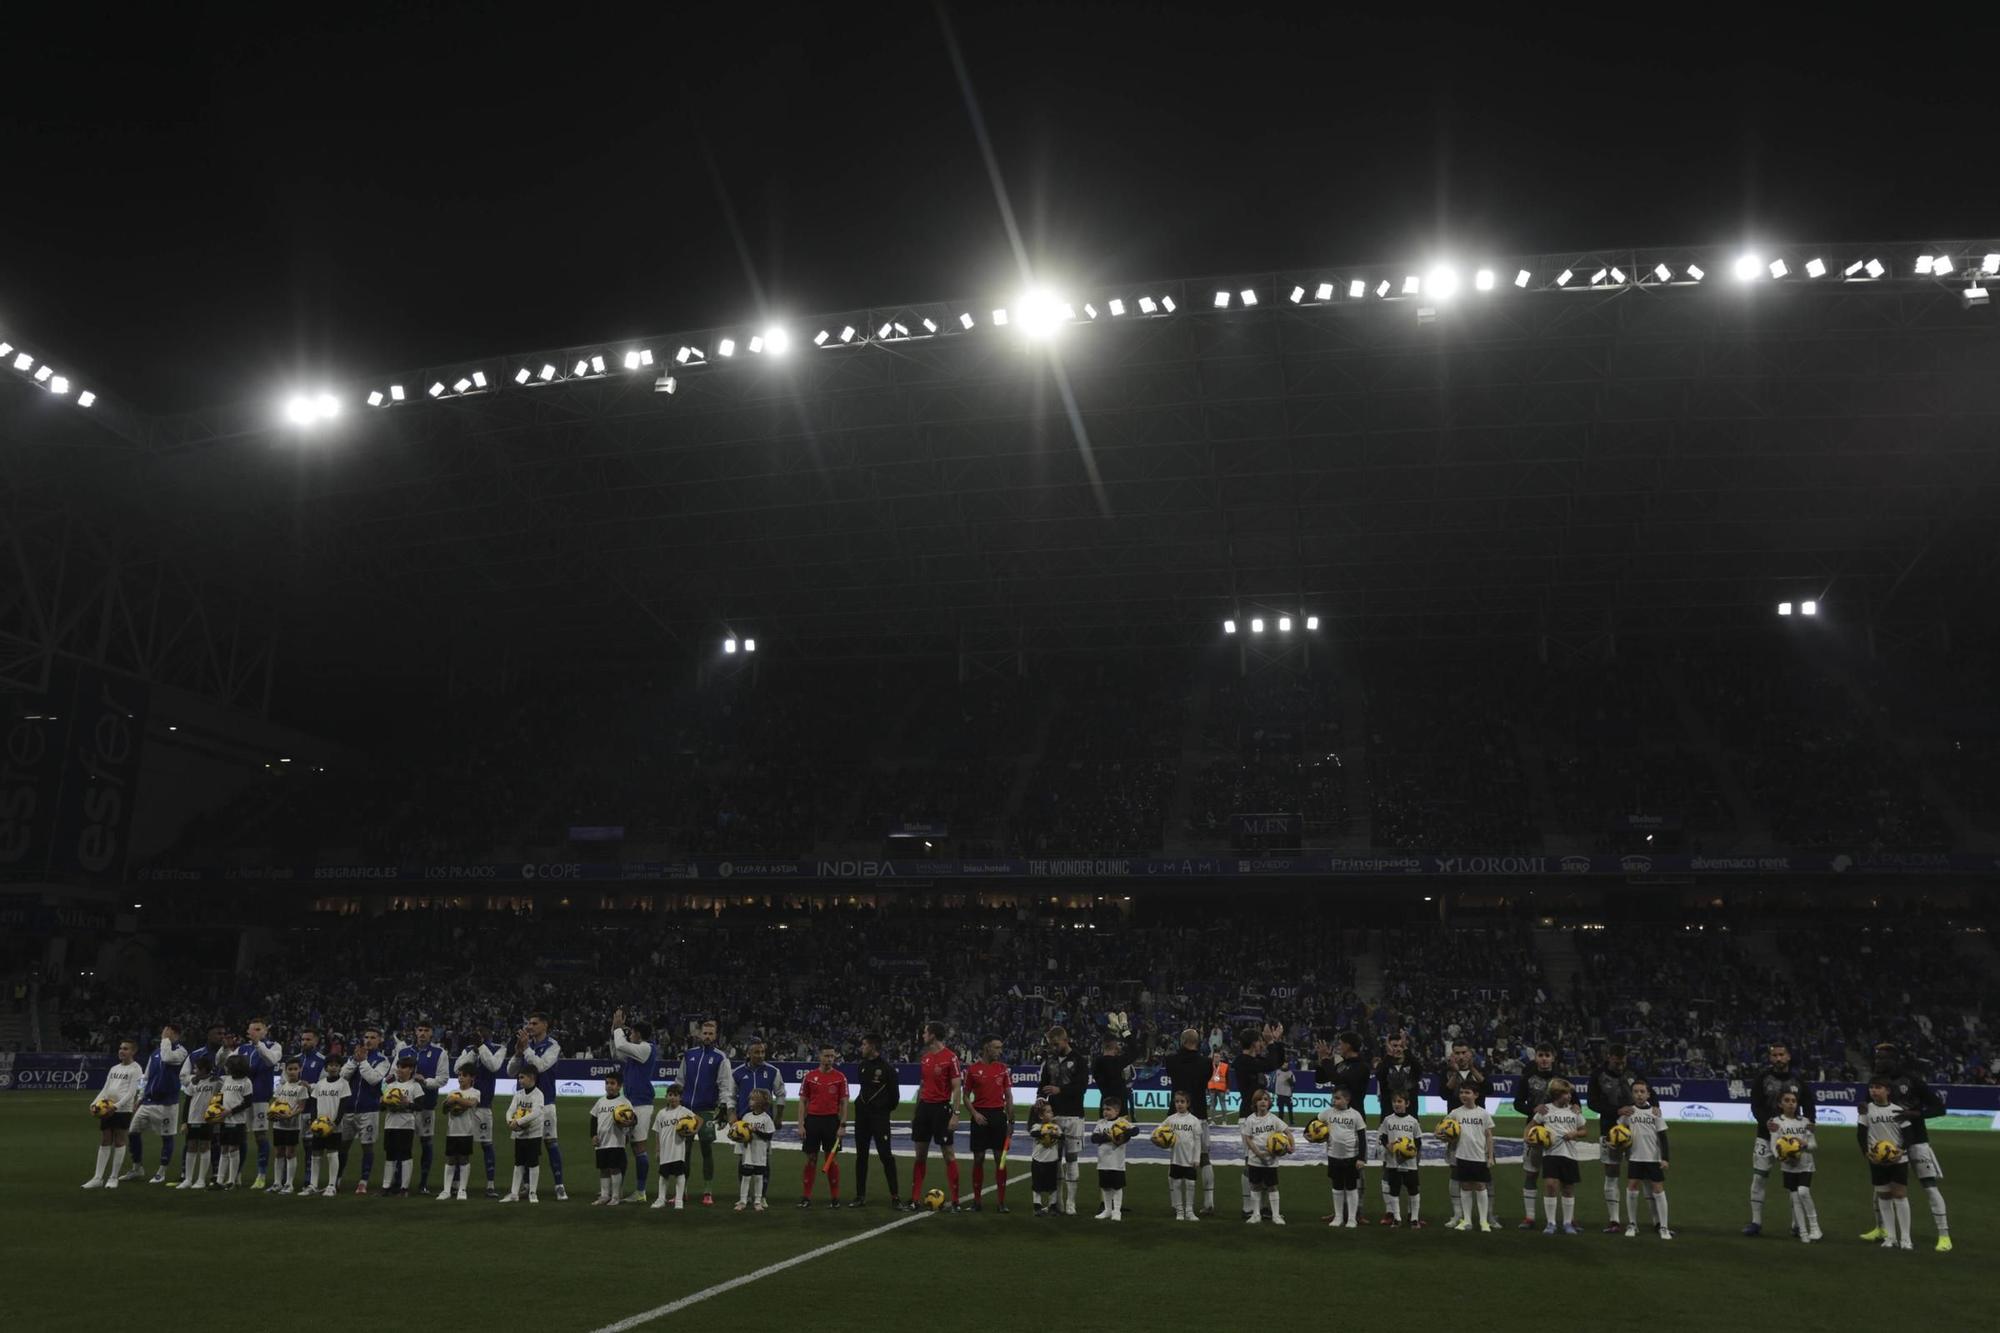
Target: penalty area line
[(768, 1270)]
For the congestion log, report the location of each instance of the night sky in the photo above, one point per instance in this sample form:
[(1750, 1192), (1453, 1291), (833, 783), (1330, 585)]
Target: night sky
[(213, 205)]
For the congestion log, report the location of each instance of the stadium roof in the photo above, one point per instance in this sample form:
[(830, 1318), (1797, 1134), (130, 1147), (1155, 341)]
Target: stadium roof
[(1641, 441)]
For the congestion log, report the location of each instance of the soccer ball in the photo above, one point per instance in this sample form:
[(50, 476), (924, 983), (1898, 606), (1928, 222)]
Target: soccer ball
[(1403, 1147), (934, 1199), (1048, 1131), (322, 1128), (454, 1102), (1449, 1129), (100, 1108), (1318, 1131), (1883, 1151), (687, 1126), (1539, 1135), (1278, 1144), (281, 1111), (625, 1116), (1121, 1130), (214, 1111), (1788, 1147), (1163, 1136), (1618, 1136), (739, 1131), (393, 1098)]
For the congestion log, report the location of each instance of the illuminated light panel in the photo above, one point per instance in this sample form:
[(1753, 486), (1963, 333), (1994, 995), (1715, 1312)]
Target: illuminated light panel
[(1598, 276), (23, 361), (1990, 264), (1116, 305), (1663, 273), (1356, 290), (547, 373), (597, 364), (1483, 280), (1222, 300), (1618, 275), (1167, 304), (395, 393), (1088, 309), (756, 343), (1562, 278), (965, 321), (631, 360), (727, 347), (1382, 289), (729, 645), (1412, 284), (1808, 608), (883, 332), (1147, 305), (579, 368), (1228, 627), (1521, 278), (1875, 268), (1248, 296), (1000, 319), (1312, 622), (1695, 272), (437, 389), (1748, 267), (847, 333), (819, 339), (1284, 624), (522, 376), (1257, 626), (1778, 268), (1942, 266), (6, 348), (461, 385), (1298, 295), (375, 398), (1815, 268), (930, 326), (59, 385), (1323, 292), (86, 398), (479, 378), (44, 373), (299, 411), (1442, 283), (1784, 608)]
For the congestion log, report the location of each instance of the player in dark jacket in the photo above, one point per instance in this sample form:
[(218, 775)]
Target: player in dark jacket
[(1766, 1086), (1065, 1078), (1342, 1065), (1531, 1094), (1908, 1090), (1396, 1073), (1610, 1096), (1187, 1070)]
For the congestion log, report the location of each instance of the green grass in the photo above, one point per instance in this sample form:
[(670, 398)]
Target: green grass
[(69, 1253)]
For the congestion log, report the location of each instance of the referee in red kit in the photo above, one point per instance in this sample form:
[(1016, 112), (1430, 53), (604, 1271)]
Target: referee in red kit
[(822, 1116), (934, 1120)]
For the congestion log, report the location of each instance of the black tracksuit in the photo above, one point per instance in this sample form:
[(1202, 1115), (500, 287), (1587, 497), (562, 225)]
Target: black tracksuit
[(872, 1111), (1188, 1071)]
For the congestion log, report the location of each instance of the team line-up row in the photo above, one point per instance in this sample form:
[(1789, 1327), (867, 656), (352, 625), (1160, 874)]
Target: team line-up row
[(301, 1106)]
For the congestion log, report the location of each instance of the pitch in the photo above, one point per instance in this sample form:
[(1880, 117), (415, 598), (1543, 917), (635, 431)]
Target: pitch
[(563, 1266)]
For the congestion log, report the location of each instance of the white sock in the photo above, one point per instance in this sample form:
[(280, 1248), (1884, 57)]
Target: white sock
[(534, 1178), (617, 1184), (520, 1179), (1388, 1195), (1451, 1188), (603, 1188), (1528, 1196), (1611, 1199), (1632, 1204), (117, 1161), (1272, 1195), (1353, 1207), (1938, 1217), (312, 1172), (1485, 1198), (1207, 1188), (1395, 1205), (1413, 1202), (1805, 1205), (680, 1190), (1757, 1182), (103, 1160), (1249, 1202), (1903, 1233), (1569, 1209)]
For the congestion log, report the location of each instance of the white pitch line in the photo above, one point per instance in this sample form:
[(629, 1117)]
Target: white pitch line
[(706, 1293)]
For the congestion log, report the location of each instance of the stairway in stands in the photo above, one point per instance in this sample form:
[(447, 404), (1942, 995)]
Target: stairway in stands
[(1560, 959)]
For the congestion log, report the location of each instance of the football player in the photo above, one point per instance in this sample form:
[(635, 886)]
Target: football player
[(120, 1098), (1610, 1096), (1908, 1090), (535, 1049), (1766, 1086)]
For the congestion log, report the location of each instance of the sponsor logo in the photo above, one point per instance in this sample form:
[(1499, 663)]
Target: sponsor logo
[(1666, 1092), (1576, 865), (461, 872), (357, 872), (1740, 863), (1636, 865), (1080, 867), (21, 797), (1370, 865), (1697, 1111), (168, 873), (552, 871), (1268, 865), (1493, 865), (856, 869), (1836, 1095)]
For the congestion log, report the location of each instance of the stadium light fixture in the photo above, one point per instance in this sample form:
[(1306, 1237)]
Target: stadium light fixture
[(1382, 289), (437, 389), (1815, 268), (6, 348), (1356, 290), (1974, 296), (1784, 608), (1598, 276), (1298, 295), (1562, 278), (682, 356), (59, 385), (883, 332), (1222, 300), (547, 372), (1412, 284), (1116, 305), (1617, 275), (729, 646), (479, 378), (631, 360), (1808, 608), (1038, 314), (1147, 305), (1696, 272), (597, 364), (581, 367), (1943, 266), (299, 410), (1323, 292), (522, 376), (1875, 268), (1778, 268), (1088, 309), (1000, 318), (1312, 622), (1483, 280), (461, 384), (1989, 265), (1924, 263), (726, 348), (1256, 625), (756, 343), (396, 394), (1167, 304), (375, 396), (1228, 627), (749, 645), (327, 406), (1284, 624), (86, 398), (1748, 267), (1248, 296), (1521, 278), (665, 384), (847, 333), (43, 374), (23, 361), (966, 321), (930, 326), (819, 339), (1663, 273), (1442, 283)]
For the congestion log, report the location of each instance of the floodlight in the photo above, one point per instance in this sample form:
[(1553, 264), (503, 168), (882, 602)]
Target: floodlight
[(1000, 318), (1598, 276), (437, 389), (1778, 268), (631, 360), (819, 339), (756, 343), (727, 347), (1248, 296), (1748, 267), (23, 361), (597, 364), (665, 384), (329, 406), (1618, 275), (1442, 283), (847, 333), (729, 645), (1323, 292), (1257, 625), (375, 398), (1695, 272), (580, 367), (479, 378), (1521, 278), (681, 357), (1562, 278), (1808, 608), (1943, 265), (966, 321), (1284, 624), (1228, 627), (395, 393), (521, 376), (1222, 300), (86, 398), (1851, 269), (1088, 309), (1975, 295), (930, 325), (1167, 304), (1875, 268), (59, 385), (1990, 264), (1815, 268), (1298, 295), (1147, 305), (1483, 280), (883, 332), (1382, 288), (1663, 273), (548, 373), (1356, 289), (1924, 263), (1412, 284), (1117, 306), (645, 356), (1068, 313), (461, 385), (1784, 608), (1038, 314), (749, 645), (6, 348), (1312, 622), (44, 373), (299, 411)]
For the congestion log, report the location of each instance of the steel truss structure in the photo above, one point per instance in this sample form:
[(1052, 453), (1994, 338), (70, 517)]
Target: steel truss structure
[(1574, 461)]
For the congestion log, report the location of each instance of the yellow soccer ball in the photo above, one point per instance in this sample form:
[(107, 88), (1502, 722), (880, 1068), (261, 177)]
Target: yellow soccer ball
[(1403, 1147), (281, 1111), (322, 1128), (454, 1102), (625, 1116), (1048, 1131), (739, 1131), (1788, 1147), (214, 1111), (1163, 1136), (1318, 1131), (1121, 1130), (687, 1126), (934, 1199), (1539, 1135), (1278, 1144), (394, 1098), (1449, 1129), (1618, 1136), (1883, 1152), (100, 1108)]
